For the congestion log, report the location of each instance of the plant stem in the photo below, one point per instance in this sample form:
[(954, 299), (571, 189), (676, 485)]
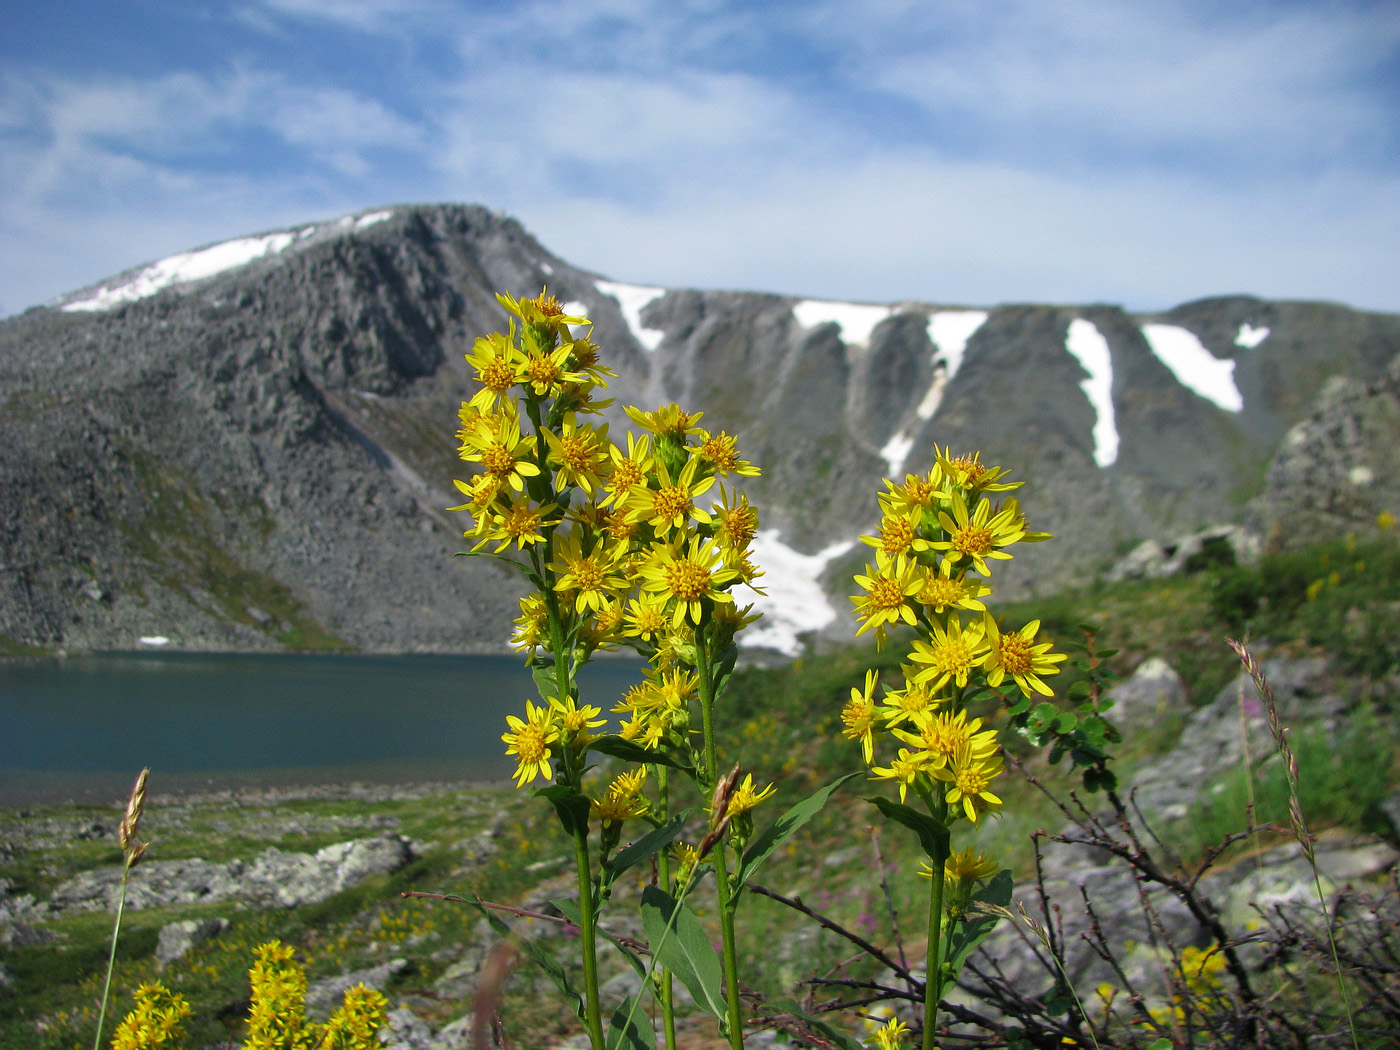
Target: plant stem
[(668, 991), (933, 968), (111, 956), (727, 905), (593, 1017)]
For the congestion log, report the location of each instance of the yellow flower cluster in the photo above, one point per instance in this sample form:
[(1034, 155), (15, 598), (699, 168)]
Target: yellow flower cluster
[(153, 1022), (939, 534), (276, 1016), (637, 546)]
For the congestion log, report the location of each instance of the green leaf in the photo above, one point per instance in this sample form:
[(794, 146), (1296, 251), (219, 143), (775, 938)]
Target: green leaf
[(546, 676), (933, 836), (569, 805), (545, 960), (650, 844), (680, 943), (631, 1027), (782, 829), (629, 751)]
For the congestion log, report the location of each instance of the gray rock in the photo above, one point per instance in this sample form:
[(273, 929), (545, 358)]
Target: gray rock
[(1153, 691), (179, 938), (22, 935), (324, 997), (271, 878)]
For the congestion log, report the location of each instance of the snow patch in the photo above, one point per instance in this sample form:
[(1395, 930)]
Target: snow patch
[(856, 320), (154, 639), (208, 262), (1249, 337), (795, 602), (949, 330), (633, 299), (896, 451), (1195, 367), (1090, 349)]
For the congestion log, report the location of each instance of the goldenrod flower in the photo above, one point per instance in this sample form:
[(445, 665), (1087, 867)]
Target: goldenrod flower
[(623, 800), (912, 703), (904, 769), (668, 506), (629, 468), (951, 655), (898, 534), (494, 440), (979, 535), (970, 775), (592, 576), (498, 368), (859, 717), (1017, 654), (530, 742), (745, 797), (942, 735), (532, 625), (917, 492), (888, 588), (964, 865), (891, 1036), (720, 452), (646, 617), (738, 522), (670, 422), (942, 590), (573, 722), (518, 522), (689, 577), (579, 452), (542, 312), (154, 1021)]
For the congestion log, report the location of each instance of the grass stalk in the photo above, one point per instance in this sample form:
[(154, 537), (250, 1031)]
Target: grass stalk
[(132, 852)]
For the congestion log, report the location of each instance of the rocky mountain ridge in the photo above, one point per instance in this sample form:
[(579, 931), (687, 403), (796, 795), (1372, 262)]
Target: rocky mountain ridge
[(250, 446)]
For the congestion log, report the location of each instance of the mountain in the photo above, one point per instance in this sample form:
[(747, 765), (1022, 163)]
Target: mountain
[(250, 445)]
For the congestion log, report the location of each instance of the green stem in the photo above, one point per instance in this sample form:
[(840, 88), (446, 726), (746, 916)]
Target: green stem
[(727, 903), (933, 968), (588, 935), (668, 990), (111, 956)]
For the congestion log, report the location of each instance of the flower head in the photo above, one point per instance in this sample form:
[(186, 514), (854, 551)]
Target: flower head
[(1018, 654), (530, 741)]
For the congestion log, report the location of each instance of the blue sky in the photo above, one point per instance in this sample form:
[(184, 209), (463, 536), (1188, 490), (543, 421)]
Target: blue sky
[(1143, 152)]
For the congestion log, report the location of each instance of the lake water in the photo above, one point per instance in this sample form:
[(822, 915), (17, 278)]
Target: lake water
[(82, 727)]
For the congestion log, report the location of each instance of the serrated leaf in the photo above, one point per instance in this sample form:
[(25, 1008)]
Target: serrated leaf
[(782, 829), (933, 836), (650, 844), (630, 751), (542, 958), (680, 944), (968, 934), (1066, 722)]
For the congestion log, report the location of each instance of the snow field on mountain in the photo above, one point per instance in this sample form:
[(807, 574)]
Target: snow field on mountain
[(1090, 349), (795, 602), (633, 299), (1195, 367)]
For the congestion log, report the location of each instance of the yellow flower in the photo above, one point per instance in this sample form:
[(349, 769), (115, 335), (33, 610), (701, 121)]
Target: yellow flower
[(497, 363), (891, 1036), (964, 865), (951, 655), (917, 493), (672, 502), (913, 702), (898, 534), (494, 440), (859, 717), (904, 769), (690, 577), (720, 452), (573, 722), (969, 775), (970, 473), (941, 736), (594, 576), (154, 1021), (580, 453), (745, 797), (888, 588), (518, 522), (670, 422), (629, 468), (943, 590), (738, 522), (646, 617), (532, 625), (623, 800), (530, 742), (1017, 654), (979, 535)]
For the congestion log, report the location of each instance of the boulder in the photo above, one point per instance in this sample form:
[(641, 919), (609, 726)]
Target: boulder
[(178, 938)]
